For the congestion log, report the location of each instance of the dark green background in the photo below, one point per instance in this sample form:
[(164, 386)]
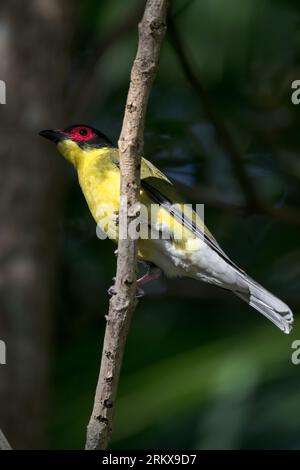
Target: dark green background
[(202, 370)]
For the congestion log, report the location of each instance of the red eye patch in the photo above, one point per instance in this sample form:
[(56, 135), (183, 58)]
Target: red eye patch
[(81, 133)]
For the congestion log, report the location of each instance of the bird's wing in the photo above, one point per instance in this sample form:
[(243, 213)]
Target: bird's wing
[(162, 192)]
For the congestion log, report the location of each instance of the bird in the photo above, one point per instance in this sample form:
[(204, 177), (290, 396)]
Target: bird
[(194, 254)]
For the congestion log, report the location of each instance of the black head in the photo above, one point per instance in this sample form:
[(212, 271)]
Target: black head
[(83, 135)]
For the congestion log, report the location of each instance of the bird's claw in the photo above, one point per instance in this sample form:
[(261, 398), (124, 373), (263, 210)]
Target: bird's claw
[(116, 219), (112, 290), (139, 293)]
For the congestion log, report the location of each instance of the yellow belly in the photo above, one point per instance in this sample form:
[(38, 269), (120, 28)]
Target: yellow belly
[(99, 179), (100, 182)]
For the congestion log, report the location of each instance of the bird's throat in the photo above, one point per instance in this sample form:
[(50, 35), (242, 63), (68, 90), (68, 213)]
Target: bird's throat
[(71, 151)]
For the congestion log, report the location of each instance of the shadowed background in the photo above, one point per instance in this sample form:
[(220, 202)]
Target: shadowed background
[(202, 369)]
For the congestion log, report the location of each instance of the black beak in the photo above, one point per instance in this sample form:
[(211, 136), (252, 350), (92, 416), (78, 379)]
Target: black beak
[(54, 136)]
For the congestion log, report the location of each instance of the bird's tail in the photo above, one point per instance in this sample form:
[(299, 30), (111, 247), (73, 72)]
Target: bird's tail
[(267, 304)]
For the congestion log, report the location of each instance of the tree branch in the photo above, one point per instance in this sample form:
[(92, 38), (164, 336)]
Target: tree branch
[(83, 90), (151, 32), (253, 201), (279, 214), (222, 133), (4, 444)]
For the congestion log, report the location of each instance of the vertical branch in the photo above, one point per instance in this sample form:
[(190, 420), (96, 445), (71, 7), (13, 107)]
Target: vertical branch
[(122, 304)]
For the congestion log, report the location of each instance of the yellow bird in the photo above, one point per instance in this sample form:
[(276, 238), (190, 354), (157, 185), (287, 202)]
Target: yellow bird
[(174, 240)]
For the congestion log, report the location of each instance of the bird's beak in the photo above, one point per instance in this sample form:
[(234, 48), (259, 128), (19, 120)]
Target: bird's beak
[(53, 135)]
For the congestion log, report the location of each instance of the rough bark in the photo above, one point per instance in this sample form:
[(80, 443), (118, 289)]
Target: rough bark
[(34, 38), (151, 32)]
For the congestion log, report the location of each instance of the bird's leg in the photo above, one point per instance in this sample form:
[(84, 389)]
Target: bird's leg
[(153, 273)]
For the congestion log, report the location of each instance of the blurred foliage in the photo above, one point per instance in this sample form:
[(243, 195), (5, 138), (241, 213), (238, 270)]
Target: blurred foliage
[(202, 369)]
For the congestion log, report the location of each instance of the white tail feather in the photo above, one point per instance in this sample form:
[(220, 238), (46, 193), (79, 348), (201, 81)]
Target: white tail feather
[(267, 304)]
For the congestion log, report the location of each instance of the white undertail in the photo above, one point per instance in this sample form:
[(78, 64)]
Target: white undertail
[(267, 304)]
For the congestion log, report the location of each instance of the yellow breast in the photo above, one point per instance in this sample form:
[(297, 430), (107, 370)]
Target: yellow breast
[(99, 179)]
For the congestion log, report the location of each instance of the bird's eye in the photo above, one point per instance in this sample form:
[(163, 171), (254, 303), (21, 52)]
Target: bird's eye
[(83, 132)]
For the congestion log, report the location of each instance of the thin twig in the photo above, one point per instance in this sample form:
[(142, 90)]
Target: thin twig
[(182, 8), (280, 214), (285, 214), (83, 90), (4, 444), (151, 32), (221, 131), (253, 201)]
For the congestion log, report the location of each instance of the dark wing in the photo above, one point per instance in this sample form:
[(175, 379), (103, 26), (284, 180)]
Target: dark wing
[(173, 208)]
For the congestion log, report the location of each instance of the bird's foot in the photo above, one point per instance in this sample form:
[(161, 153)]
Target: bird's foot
[(153, 273), (116, 219), (112, 289), (139, 293)]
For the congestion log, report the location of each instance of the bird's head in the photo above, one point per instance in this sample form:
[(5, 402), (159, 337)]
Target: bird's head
[(75, 140)]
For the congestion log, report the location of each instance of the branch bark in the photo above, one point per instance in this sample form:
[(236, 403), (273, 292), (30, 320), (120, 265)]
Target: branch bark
[(122, 305), (4, 444)]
